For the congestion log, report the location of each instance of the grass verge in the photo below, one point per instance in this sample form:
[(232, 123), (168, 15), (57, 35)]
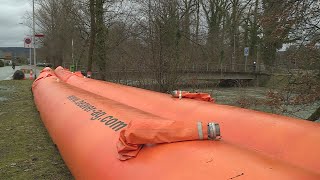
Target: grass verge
[(26, 150)]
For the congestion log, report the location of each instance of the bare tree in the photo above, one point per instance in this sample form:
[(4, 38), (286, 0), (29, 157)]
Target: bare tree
[(153, 42), (61, 23)]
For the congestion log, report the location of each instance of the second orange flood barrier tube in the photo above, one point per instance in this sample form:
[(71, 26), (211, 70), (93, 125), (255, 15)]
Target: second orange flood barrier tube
[(288, 139), (87, 129)]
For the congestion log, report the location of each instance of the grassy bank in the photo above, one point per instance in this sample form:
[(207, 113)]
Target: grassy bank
[(26, 150)]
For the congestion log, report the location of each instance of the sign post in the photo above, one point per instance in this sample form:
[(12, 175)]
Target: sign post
[(246, 54), (27, 44), (34, 41)]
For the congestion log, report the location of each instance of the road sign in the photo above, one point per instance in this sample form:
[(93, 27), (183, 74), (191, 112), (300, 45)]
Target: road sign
[(27, 42), (39, 35), (246, 51)]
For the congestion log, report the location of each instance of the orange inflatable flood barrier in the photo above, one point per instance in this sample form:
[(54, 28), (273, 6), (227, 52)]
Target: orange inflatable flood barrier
[(93, 132), (287, 139)]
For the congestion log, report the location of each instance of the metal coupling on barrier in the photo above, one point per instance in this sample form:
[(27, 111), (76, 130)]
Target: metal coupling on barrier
[(178, 93), (214, 131)]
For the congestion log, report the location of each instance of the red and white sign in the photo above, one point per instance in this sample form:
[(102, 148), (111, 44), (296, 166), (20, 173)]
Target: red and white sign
[(39, 35), (27, 42)]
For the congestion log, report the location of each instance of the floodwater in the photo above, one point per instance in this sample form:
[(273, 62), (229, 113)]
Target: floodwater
[(3, 99), (256, 98), (7, 72)]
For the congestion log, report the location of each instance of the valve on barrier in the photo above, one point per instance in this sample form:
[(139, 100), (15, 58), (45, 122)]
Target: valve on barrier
[(197, 96), (89, 74), (214, 131)]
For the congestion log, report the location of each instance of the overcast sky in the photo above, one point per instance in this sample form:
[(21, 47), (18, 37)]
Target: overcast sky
[(12, 13)]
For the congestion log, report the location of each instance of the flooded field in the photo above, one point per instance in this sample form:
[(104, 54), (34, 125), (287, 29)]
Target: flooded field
[(257, 98)]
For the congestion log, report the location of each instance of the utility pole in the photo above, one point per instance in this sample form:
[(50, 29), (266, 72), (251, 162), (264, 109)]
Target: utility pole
[(72, 54), (72, 51), (258, 63), (234, 52), (34, 42), (30, 56)]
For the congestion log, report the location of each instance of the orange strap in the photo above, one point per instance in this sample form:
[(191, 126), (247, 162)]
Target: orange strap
[(78, 73)]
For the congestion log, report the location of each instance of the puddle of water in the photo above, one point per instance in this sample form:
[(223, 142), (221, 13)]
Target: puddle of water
[(4, 90), (3, 99)]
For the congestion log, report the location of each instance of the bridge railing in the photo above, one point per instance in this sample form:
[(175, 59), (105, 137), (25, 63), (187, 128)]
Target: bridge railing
[(212, 67), (198, 67)]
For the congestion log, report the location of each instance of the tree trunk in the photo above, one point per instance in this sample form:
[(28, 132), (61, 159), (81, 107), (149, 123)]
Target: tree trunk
[(197, 20), (92, 35), (254, 33), (101, 40)]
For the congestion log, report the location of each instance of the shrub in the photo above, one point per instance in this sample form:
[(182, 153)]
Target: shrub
[(18, 75)]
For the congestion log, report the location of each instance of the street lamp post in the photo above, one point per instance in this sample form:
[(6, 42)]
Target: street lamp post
[(34, 42), (72, 54), (30, 56)]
